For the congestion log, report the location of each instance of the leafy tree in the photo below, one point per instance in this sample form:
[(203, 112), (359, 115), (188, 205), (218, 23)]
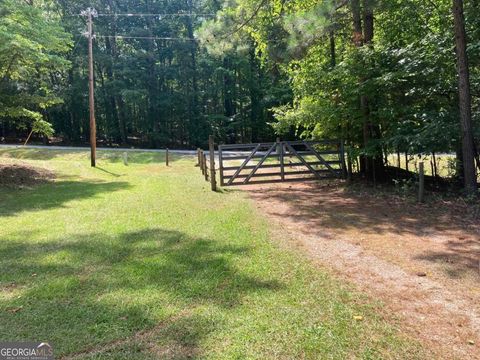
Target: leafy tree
[(465, 100), (32, 48), (157, 92), (385, 86)]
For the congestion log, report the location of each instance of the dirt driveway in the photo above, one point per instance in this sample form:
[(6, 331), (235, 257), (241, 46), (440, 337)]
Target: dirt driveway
[(421, 261)]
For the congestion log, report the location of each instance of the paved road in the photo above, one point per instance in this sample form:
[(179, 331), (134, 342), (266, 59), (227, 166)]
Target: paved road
[(78, 148), (85, 148)]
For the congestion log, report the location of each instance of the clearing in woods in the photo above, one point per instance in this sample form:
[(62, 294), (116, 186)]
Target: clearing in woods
[(421, 261), (145, 262)]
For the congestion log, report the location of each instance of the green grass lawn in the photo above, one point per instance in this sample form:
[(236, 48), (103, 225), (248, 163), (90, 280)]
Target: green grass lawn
[(144, 262)]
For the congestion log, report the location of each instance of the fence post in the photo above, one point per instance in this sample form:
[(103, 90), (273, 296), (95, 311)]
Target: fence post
[(220, 165), (166, 157), (421, 182), (200, 160), (342, 159), (205, 167), (281, 158), (213, 179), (198, 157)]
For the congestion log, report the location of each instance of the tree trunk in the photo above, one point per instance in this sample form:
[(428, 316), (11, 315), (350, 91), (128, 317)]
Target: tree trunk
[(153, 108), (228, 96), (255, 96), (357, 39), (196, 128), (367, 21), (357, 23), (464, 97), (333, 56), (371, 130), (115, 98)]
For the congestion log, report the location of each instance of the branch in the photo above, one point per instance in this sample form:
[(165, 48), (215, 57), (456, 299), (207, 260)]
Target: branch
[(9, 68), (246, 22), (341, 4)]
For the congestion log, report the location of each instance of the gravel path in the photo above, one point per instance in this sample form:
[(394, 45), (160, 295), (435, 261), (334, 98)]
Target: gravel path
[(421, 262)]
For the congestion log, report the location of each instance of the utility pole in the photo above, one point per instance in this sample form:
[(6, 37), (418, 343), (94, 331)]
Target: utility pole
[(90, 13)]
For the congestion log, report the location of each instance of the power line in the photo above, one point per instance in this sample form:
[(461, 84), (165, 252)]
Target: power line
[(91, 13), (144, 37), (158, 15)]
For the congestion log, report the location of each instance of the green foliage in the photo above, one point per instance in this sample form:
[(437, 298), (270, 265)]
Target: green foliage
[(42, 127), (32, 48), (149, 91), (156, 93), (408, 73)]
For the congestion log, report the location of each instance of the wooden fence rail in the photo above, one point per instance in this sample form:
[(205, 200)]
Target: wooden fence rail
[(282, 161)]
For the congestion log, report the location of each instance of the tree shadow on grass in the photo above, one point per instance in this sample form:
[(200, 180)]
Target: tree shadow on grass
[(460, 258), (442, 232), (333, 206), (53, 195), (92, 289), (175, 338)]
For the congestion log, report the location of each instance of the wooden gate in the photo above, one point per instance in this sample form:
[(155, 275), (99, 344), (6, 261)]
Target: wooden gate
[(280, 162)]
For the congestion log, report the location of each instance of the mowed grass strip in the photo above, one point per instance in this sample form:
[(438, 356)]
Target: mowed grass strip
[(144, 262)]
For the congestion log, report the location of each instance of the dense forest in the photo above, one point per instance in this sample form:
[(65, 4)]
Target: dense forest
[(156, 85), (387, 76)]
